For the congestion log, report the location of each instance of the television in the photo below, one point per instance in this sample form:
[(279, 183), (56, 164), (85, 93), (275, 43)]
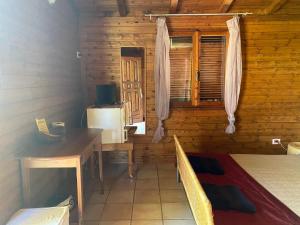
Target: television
[(106, 94)]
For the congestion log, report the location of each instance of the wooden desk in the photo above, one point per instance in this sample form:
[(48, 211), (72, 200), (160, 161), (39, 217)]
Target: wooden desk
[(72, 152)]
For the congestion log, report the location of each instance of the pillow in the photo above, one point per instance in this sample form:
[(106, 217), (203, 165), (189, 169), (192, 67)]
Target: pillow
[(228, 197), (206, 165)]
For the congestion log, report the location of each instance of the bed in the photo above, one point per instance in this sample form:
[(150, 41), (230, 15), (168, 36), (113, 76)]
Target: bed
[(278, 195)]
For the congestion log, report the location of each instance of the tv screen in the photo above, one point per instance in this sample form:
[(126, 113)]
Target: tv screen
[(106, 94)]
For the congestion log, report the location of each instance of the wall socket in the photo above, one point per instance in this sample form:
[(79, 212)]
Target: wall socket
[(276, 141)]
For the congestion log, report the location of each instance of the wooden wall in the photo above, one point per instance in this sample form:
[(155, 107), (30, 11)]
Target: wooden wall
[(270, 98), (39, 77)]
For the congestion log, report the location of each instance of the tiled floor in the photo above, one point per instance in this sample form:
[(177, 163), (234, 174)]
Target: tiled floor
[(152, 198)]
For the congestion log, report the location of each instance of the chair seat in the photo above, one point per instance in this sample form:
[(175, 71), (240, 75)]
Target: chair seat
[(41, 216)]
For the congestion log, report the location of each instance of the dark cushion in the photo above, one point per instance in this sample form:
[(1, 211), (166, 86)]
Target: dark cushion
[(206, 165), (228, 197)]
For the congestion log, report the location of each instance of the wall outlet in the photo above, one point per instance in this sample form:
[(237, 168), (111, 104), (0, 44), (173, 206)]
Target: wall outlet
[(275, 141)]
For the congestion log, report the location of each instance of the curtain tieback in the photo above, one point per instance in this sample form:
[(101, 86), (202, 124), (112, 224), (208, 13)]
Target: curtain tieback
[(230, 129), (159, 133)]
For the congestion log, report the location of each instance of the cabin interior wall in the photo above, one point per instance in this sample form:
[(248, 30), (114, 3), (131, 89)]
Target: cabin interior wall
[(269, 101), (39, 78)]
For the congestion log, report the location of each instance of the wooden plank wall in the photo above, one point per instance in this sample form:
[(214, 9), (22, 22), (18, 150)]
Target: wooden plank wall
[(269, 103), (39, 77)]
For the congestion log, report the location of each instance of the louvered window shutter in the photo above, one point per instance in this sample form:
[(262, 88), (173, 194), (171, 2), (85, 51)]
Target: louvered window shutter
[(181, 65), (212, 68)]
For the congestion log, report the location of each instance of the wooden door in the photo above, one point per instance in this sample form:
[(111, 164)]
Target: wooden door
[(132, 87)]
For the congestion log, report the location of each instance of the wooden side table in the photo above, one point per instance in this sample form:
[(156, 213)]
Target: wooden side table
[(128, 146)]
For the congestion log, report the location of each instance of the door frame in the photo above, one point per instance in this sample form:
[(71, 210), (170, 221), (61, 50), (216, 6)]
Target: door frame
[(144, 79)]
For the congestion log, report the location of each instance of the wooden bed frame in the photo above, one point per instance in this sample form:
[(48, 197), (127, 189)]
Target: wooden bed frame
[(200, 205)]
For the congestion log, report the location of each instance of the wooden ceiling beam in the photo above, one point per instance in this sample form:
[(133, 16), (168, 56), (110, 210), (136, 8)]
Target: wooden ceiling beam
[(274, 7), (123, 8), (225, 6), (173, 6)]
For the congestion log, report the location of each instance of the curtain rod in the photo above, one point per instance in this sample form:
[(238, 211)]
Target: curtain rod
[(200, 14)]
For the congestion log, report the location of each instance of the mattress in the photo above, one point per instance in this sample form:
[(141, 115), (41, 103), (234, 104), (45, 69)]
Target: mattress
[(269, 209), (279, 174), (41, 216)]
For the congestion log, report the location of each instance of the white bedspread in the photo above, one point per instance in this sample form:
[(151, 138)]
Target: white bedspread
[(279, 174)]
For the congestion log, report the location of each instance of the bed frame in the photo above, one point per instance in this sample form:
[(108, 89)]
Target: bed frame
[(200, 205)]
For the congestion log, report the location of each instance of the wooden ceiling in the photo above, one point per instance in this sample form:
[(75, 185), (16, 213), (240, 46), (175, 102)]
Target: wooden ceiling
[(140, 7)]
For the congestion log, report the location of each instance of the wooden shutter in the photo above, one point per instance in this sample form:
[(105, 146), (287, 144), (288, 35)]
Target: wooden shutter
[(181, 65), (195, 72), (212, 68)]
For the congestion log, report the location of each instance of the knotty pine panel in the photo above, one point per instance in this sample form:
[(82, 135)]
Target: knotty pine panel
[(39, 77), (269, 102)]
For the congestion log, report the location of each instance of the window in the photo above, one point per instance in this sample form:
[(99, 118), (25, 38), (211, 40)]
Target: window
[(181, 56), (198, 70)]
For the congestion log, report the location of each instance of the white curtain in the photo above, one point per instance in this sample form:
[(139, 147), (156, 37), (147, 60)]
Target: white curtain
[(161, 77), (233, 72)]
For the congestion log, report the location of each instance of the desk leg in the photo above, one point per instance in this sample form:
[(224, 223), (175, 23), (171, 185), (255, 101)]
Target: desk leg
[(92, 166), (79, 180), (101, 171), (130, 163), (26, 184)]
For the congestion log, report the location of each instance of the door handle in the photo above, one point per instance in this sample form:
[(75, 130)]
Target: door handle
[(197, 75), (125, 135)]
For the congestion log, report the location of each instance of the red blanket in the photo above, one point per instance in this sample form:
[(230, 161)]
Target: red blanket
[(269, 210)]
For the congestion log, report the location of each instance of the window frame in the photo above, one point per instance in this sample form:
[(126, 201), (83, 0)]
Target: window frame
[(195, 83)]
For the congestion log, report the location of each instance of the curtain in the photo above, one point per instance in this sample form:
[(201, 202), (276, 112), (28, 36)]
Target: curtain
[(161, 77), (233, 72)]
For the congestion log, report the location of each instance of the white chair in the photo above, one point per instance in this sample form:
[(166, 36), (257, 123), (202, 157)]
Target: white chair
[(41, 216)]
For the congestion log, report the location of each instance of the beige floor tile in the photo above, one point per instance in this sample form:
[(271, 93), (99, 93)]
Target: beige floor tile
[(119, 222), (169, 196), (171, 174), (146, 222), (116, 212), (146, 196), (146, 184), (176, 211), (147, 174), (91, 223), (179, 222), (147, 166), (166, 165), (165, 183), (146, 212), (97, 197), (125, 174), (114, 170), (108, 182), (124, 184), (120, 196), (96, 184), (93, 211)]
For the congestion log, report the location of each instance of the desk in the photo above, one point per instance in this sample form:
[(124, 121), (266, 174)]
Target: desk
[(72, 152)]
